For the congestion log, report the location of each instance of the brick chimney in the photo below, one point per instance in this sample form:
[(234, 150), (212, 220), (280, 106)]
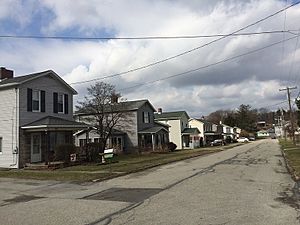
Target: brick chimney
[(115, 98), (159, 110), (6, 74)]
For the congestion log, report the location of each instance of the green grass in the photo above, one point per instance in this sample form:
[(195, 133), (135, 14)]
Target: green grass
[(123, 164), (292, 153)]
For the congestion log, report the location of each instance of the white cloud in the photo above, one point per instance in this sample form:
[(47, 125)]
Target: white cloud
[(252, 79)]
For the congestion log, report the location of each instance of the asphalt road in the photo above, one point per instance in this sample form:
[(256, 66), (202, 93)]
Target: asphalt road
[(244, 185)]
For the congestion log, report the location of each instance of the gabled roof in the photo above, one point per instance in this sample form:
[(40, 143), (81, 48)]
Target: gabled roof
[(114, 131), (122, 107), (26, 78), (54, 122), (152, 130), (190, 131), (170, 115)]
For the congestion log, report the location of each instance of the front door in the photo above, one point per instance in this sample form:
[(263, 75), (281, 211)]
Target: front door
[(36, 155)]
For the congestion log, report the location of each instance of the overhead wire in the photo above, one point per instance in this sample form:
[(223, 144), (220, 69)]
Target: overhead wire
[(211, 64), (190, 50), (144, 37)]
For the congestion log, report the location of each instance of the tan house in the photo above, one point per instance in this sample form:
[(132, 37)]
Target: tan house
[(180, 132)]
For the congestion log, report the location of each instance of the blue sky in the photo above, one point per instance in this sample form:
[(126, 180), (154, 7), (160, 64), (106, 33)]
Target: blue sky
[(253, 79)]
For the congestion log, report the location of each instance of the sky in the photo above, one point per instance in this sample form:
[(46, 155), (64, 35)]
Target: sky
[(253, 79)]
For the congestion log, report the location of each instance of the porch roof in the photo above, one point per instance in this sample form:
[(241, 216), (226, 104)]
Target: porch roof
[(50, 123), (152, 130), (211, 133), (190, 131)]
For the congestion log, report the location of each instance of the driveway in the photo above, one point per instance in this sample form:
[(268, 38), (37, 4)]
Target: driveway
[(244, 185)]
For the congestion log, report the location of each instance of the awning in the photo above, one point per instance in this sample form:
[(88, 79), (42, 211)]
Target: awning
[(51, 123)]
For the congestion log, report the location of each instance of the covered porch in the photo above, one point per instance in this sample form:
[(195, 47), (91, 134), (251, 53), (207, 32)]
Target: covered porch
[(39, 139), (190, 138), (153, 138)]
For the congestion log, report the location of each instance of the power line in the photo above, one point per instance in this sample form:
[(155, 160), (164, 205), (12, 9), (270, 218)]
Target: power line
[(210, 65), (269, 106), (143, 37), (293, 60), (188, 51)]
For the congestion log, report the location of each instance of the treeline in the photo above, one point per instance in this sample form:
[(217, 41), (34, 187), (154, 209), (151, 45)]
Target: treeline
[(246, 118)]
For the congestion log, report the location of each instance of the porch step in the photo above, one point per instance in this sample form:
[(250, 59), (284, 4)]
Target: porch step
[(43, 166)]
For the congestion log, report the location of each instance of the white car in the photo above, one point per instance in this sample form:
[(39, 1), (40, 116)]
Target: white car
[(243, 139)]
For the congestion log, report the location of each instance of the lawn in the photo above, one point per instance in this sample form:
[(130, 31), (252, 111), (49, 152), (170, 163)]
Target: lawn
[(123, 164), (292, 153)]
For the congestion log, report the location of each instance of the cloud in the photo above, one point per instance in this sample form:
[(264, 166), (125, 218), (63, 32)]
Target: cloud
[(252, 79)]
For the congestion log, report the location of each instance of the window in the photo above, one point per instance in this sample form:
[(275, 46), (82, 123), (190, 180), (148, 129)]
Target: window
[(0, 145), (36, 100), (60, 103), (146, 117)]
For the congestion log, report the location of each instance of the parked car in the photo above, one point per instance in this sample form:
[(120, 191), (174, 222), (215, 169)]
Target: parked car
[(243, 139), (251, 138), (217, 142)]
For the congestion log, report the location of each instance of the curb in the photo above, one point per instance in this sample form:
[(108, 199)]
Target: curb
[(290, 169)]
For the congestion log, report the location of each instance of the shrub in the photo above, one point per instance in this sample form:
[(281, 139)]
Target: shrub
[(171, 146), (93, 150), (62, 152)]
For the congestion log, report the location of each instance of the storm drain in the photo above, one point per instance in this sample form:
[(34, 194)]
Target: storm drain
[(125, 194), (22, 198)]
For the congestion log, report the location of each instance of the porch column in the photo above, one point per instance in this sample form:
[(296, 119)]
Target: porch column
[(87, 134), (153, 143), (46, 147)]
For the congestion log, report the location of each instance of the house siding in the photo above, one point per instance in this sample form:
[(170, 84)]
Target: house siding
[(176, 127), (127, 124), (140, 123), (197, 124), (174, 132), (49, 85), (9, 129)]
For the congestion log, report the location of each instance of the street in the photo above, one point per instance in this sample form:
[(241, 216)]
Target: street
[(248, 184)]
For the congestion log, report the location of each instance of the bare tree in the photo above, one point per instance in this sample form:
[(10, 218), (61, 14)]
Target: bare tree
[(103, 110)]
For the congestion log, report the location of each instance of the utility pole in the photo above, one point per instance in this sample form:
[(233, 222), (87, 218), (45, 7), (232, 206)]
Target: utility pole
[(288, 89)]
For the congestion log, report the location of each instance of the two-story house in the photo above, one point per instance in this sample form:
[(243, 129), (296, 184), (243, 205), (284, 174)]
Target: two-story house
[(227, 132), (208, 130), (36, 115), (200, 125), (136, 128), (180, 132)]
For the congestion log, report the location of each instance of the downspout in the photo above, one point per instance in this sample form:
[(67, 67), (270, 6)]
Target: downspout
[(15, 149)]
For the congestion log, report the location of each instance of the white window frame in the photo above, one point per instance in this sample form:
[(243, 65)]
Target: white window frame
[(39, 96), (63, 102), (1, 145)]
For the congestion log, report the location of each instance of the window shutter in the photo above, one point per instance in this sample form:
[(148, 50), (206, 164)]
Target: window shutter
[(55, 102), (148, 117), (143, 117), (66, 102), (29, 100), (43, 101)]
